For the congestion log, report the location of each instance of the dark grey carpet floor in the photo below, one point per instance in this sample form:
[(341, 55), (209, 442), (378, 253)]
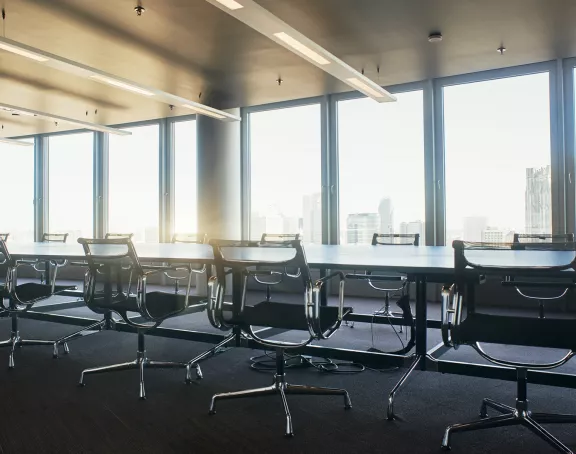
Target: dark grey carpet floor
[(43, 410)]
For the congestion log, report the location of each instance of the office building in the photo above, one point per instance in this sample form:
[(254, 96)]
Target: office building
[(361, 227), (538, 200), (412, 227), (473, 228), (493, 235), (312, 218), (386, 212)]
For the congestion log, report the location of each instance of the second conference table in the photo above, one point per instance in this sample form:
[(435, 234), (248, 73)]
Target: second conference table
[(423, 264)]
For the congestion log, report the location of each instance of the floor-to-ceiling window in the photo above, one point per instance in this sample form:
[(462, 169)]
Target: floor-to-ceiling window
[(70, 187), (497, 158), (133, 205), (381, 167), (285, 172), (17, 187), (185, 193)]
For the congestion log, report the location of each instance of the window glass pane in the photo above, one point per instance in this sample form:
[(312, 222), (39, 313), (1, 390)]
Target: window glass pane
[(285, 174), (133, 175), (17, 187), (381, 160), (70, 162), (185, 204), (498, 178)]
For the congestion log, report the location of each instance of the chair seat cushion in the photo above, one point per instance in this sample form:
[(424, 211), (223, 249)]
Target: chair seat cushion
[(34, 291), (512, 330), (287, 316), (160, 305)]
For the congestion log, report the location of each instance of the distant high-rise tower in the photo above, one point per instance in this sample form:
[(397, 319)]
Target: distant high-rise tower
[(538, 210), (408, 228), (386, 212), (361, 227), (312, 218), (473, 227)]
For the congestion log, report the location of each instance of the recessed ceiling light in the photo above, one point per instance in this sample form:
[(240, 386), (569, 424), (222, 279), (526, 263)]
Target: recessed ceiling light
[(120, 84), (22, 52), (304, 50), (231, 4)]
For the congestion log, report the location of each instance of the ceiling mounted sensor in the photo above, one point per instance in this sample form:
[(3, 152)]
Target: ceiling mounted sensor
[(20, 143), (78, 69), (51, 117), (435, 37), (263, 21)]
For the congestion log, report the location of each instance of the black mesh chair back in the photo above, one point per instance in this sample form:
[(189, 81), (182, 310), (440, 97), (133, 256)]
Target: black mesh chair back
[(54, 237), (246, 258), (543, 237), (190, 238), (536, 265), (112, 236), (187, 238), (408, 239), (275, 275)]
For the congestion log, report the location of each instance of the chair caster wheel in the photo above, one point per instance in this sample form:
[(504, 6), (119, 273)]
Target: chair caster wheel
[(347, 407), (55, 356), (188, 381), (81, 385), (289, 435), (446, 448), (212, 412), (142, 397)]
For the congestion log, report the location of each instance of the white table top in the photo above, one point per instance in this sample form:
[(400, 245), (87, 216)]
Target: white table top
[(407, 259)]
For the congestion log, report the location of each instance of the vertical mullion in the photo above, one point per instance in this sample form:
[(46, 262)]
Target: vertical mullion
[(328, 174), (245, 187), (40, 186), (569, 145), (438, 188), (429, 161), (100, 184), (557, 149), (165, 179)]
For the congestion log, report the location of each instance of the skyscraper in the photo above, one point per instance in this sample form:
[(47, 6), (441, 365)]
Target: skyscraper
[(538, 198), (473, 227), (386, 212), (361, 227), (412, 227), (312, 218)]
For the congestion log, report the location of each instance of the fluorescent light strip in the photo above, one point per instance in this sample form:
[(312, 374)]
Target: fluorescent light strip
[(120, 84), (230, 4), (80, 123), (202, 111), (22, 52), (356, 83), (299, 47), (20, 143), (78, 69), (263, 21)]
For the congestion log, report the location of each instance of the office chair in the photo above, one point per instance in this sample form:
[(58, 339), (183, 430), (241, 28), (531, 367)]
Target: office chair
[(189, 238), (114, 259), (550, 265), (520, 238), (393, 283), (44, 267), (4, 236), (274, 275), (242, 259), (18, 298)]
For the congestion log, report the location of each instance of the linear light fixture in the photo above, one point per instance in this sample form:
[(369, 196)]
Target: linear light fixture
[(263, 21), (20, 143), (88, 72), (72, 121), (122, 85), (204, 111)]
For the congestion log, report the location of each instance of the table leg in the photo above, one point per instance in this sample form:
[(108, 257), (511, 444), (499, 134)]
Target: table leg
[(421, 319), (323, 290)]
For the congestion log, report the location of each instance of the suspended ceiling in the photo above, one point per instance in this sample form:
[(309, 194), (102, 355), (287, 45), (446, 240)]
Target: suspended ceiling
[(194, 50)]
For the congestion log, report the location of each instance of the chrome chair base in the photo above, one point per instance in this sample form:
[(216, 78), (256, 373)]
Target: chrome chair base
[(279, 386), (510, 417), (141, 362), (390, 410), (16, 341)]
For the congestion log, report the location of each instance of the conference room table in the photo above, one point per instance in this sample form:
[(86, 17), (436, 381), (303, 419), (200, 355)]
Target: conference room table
[(422, 265)]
